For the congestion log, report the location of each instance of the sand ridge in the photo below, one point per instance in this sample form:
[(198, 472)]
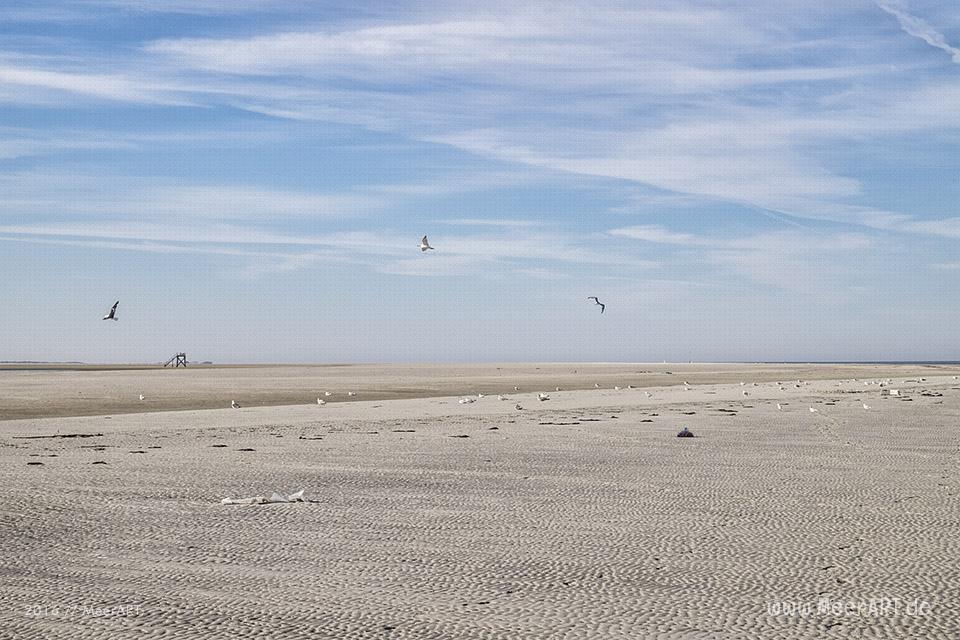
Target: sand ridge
[(59, 391)]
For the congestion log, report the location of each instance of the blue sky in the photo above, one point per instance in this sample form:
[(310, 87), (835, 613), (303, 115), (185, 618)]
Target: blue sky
[(736, 181)]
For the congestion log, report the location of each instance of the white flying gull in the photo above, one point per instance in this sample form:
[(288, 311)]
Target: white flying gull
[(594, 298), (779, 408), (424, 245), (113, 312)]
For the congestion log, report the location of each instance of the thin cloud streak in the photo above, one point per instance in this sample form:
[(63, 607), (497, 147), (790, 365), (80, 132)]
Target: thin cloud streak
[(919, 28)]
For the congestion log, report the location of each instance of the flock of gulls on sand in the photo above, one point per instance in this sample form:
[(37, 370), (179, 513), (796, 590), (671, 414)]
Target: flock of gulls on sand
[(543, 397)]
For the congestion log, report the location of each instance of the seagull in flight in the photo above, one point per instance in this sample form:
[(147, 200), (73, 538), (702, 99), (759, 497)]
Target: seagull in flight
[(113, 312), (594, 298), (424, 245)]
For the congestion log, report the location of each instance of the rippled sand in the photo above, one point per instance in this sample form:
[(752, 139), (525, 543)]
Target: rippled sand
[(579, 517)]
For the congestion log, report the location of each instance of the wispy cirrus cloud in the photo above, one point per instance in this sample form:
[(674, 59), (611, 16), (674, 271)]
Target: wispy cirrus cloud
[(920, 28), (101, 201)]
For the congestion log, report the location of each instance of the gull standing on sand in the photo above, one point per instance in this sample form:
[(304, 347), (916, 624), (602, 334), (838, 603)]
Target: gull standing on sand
[(542, 397), (594, 298), (321, 401), (113, 312), (518, 407), (779, 408), (866, 406), (424, 245), (812, 410), (233, 403), (143, 397)]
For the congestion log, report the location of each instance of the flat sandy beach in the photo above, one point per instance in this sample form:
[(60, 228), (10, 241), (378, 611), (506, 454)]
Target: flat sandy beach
[(582, 516)]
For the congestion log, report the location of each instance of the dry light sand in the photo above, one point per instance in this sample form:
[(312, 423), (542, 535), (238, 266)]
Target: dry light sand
[(579, 517)]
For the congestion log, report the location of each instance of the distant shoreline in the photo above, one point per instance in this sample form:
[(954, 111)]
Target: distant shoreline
[(28, 365)]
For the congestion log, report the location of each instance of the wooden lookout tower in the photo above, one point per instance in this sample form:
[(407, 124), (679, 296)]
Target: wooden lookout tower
[(178, 360)]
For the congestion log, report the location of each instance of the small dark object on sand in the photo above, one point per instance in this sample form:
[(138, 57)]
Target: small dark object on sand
[(686, 433)]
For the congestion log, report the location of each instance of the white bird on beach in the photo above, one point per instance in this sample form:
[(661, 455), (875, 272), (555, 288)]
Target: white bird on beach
[(327, 393), (616, 388), (466, 400), (779, 408), (516, 388), (518, 407), (351, 393), (558, 388), (479, 396), (143, 397), (647, 393), (596, 386), (502, 397), (233, 403), (812, 410), (866, 406), (321, 401), (745, 393), (113, 312), (424, 245), (542, 397)]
